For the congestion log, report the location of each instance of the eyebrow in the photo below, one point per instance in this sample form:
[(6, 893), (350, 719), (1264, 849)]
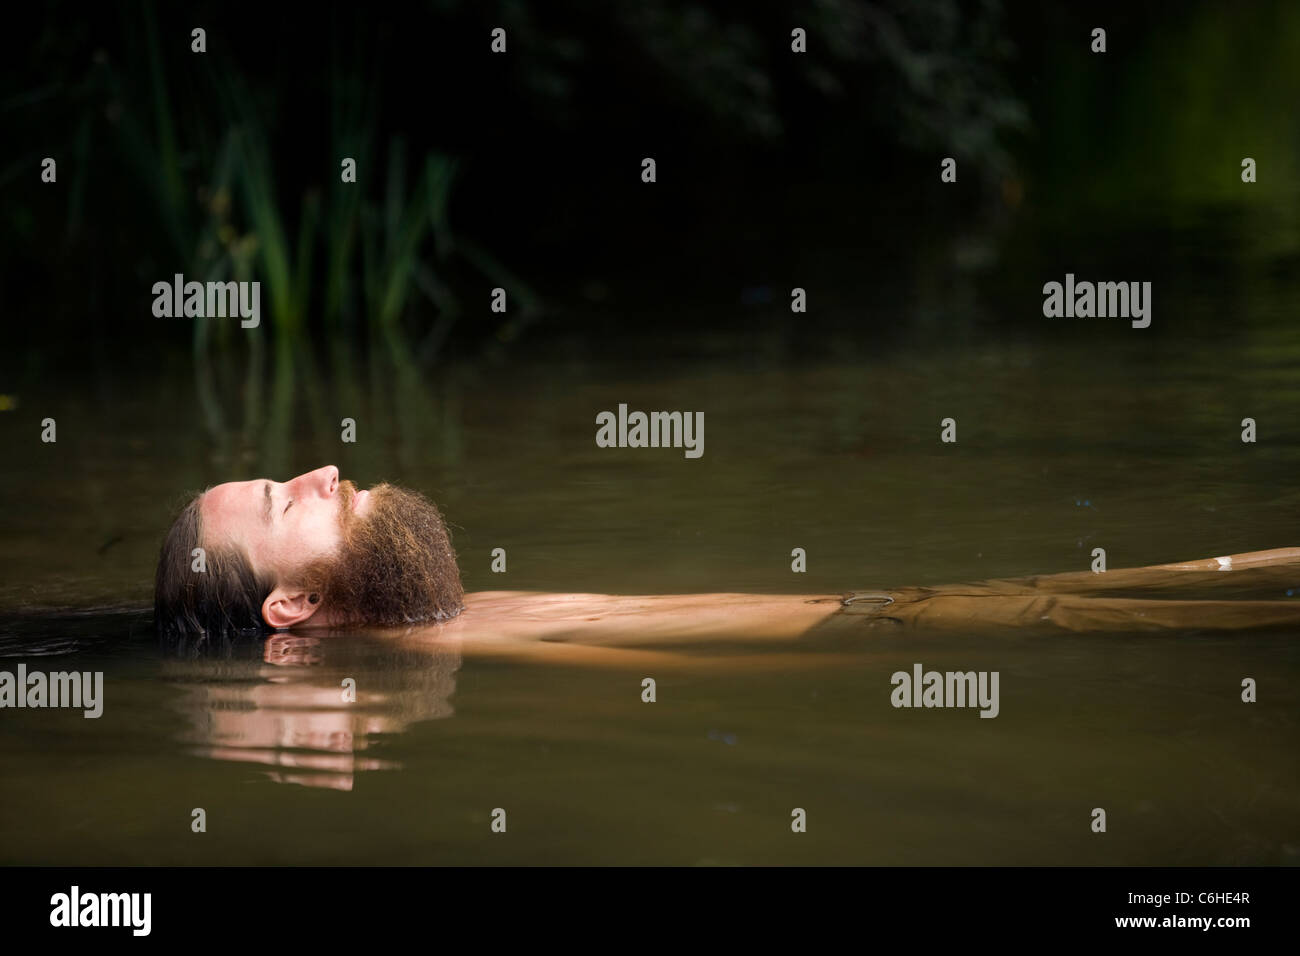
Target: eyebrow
[(266, 508)]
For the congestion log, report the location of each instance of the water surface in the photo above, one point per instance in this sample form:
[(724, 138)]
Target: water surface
[(1071, 436)]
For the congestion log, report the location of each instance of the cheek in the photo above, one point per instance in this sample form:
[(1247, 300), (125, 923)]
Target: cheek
[(301, 543), (318, 536)]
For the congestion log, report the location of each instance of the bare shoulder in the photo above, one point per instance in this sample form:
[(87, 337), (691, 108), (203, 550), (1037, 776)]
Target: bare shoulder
[(638, 618)]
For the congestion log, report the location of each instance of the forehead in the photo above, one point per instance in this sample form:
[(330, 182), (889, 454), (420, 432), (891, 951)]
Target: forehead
[(232, 509)]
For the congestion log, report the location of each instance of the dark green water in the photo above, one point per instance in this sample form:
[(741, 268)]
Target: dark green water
[(822, 432), (822, 443)]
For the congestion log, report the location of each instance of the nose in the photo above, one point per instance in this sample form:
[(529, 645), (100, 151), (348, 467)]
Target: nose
[(322, 481)]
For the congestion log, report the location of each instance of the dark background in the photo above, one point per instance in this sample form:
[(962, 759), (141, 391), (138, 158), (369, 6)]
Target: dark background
[(763, 155)]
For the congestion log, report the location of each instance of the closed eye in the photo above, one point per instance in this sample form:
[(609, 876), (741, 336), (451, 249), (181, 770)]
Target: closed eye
[(286, 508)]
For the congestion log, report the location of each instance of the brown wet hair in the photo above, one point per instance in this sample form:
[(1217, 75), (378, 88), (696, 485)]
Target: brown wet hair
[(225, 600)]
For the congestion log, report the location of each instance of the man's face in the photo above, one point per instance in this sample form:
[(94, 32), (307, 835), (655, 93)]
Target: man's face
[(283, 526), (379, 557)]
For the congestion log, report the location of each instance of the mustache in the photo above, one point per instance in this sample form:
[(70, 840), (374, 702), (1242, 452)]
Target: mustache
[(395, 566), (346, 495)]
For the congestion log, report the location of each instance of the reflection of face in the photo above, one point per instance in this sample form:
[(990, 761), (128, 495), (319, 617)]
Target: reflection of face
[(376, 557), (285, 711)]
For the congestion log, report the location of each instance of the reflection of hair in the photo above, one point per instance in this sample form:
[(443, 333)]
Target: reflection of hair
[(223, 600)]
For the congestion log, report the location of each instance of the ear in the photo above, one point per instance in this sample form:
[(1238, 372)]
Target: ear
[(285, 607)]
